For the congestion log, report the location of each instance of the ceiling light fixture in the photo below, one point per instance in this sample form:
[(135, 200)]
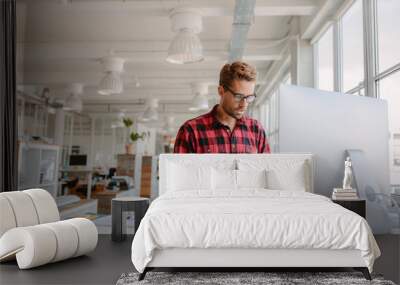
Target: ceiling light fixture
[(151, 114), (137, 82), (112, 82), (170, 124), (74, 101), (185, 46), (200, 100)]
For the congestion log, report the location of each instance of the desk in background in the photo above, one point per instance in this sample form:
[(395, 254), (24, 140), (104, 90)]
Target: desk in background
[(79, 172)]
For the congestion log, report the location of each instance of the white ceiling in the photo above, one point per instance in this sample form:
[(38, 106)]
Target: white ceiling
[(60, 42)]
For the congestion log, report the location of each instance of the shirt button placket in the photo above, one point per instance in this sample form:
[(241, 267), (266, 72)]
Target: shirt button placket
[(230, 138), (233, 143)]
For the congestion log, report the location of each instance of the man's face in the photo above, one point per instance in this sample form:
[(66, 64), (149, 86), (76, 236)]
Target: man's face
[(228, 102)]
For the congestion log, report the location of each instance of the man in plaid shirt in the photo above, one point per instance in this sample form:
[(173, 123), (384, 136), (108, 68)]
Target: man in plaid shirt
[(226, 128)]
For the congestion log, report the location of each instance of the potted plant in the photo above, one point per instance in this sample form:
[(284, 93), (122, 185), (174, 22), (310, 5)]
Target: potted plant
[(133, 136)]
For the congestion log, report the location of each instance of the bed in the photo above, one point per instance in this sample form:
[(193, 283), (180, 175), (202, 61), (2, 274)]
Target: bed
[(247, 210)]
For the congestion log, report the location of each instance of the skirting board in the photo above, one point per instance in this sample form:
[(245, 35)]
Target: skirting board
[(177, 257)]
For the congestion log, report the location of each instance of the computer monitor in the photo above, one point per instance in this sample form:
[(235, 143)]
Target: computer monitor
[(78, 160)]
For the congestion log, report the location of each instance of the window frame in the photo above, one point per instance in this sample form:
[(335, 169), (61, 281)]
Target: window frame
[(370, 44)]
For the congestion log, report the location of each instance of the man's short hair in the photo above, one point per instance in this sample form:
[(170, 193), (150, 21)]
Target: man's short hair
[(237, 70)]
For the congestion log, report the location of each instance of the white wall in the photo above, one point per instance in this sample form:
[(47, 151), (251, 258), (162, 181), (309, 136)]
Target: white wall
[(327, 124)]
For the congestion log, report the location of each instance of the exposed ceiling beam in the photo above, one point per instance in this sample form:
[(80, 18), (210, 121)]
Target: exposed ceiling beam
[(165, 107), (121, 98), (130, 74), (208, 8), (144, 51), (93, 79), (151, 57)]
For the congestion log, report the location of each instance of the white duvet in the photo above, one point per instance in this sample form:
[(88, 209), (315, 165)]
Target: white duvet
[(252, 218)]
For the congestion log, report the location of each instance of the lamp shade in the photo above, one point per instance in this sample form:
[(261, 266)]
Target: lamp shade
[(150, 115), (200, 103), (185, 48), (113, 64), (199, 87), (169, 126), (111, 84), (73, 103)]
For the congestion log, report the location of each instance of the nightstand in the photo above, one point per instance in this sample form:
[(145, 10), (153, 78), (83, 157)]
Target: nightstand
[(357, 206), (122, 205)]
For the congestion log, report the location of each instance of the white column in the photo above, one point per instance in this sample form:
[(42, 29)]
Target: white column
[(102, 134), (113, 133), (71, 134), (91, 150), (35, 120), (337, 57), (59, 126), (301, 55), (370, 38)]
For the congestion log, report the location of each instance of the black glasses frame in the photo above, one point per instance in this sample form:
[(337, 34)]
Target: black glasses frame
[(239, 96)]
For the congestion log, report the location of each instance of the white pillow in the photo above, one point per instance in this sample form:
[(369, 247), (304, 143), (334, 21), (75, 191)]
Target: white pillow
[(287, 177), (282, 173), (224, 179), (251, 178), (188, 177)]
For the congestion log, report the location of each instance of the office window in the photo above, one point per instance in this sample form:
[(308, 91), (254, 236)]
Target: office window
[(389, 90), (325, 61), (352, 48), (388, 33)]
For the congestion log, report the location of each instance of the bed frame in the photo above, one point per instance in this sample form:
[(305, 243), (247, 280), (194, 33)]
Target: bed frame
[(245, 259)]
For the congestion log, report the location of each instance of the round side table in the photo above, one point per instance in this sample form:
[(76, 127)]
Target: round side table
[(138, 205)]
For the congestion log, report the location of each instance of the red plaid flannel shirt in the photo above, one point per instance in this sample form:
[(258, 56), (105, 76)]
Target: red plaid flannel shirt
[(205, 134)]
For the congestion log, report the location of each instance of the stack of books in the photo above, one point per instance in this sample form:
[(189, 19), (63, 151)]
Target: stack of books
[(344, 194)]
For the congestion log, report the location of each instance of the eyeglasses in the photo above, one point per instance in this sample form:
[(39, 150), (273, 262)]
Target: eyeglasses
[(239, 97)]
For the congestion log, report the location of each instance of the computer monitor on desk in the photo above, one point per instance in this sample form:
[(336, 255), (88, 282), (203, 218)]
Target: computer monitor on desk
[(78, 168), (78, 160)]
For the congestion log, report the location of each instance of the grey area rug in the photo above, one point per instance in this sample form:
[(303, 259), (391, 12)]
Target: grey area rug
[(229, 278)]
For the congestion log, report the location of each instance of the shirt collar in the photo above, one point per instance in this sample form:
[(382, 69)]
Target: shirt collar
[(216, 122)]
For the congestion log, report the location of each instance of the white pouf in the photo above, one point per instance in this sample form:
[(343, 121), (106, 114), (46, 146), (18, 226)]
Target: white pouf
[(7, 216), (22, 207), (66, 238), (45, 205), (31, 232), (33, 246)]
